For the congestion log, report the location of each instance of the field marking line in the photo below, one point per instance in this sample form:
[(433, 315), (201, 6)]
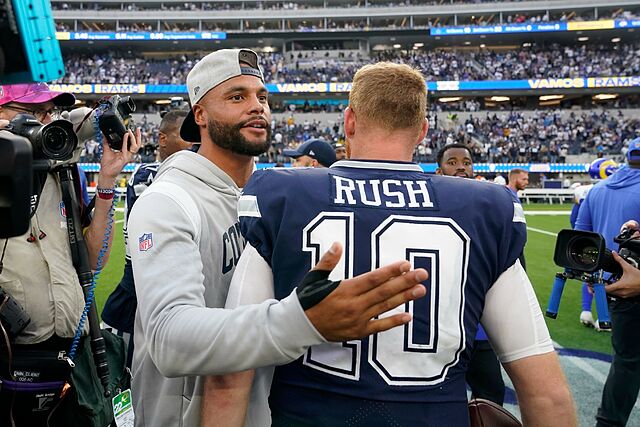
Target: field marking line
[(583, 366), (588, 369), (537, 230), (526, 212)]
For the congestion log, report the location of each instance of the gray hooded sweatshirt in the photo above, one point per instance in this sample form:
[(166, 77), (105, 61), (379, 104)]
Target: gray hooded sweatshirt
[(184, 242)]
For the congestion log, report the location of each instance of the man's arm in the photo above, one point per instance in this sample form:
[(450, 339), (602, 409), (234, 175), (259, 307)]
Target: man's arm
[(110, 166), (517, 331), (225, 400), (184, 337), (543, 394), (230, 397)]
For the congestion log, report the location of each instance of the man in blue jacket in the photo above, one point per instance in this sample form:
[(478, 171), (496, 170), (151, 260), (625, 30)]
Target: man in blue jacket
[(609, 204)]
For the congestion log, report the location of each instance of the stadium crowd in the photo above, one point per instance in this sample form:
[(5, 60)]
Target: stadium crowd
[(503, 137), (267, 5), (552, 61), (545, 136)]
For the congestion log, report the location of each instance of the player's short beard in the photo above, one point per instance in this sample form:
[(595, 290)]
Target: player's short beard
[(229, 137)]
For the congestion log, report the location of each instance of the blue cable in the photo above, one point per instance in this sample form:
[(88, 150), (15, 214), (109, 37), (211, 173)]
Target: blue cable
[(103, 250)]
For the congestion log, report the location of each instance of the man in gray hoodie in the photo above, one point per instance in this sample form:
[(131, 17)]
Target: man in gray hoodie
[(185, 243)]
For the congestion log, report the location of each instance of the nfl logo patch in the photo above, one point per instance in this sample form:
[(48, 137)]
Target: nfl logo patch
[(63, 211), (145, 242)]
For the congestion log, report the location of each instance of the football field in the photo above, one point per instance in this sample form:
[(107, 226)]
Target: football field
[(585, 353)]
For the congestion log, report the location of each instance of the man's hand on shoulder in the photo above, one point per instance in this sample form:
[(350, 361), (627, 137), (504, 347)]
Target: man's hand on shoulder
[(349, 311)]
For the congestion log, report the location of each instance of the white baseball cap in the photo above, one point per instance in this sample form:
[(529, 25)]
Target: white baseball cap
[(215, 68)]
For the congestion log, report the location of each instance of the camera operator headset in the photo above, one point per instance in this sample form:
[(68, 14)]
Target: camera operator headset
[(37, 271), (609, 204)]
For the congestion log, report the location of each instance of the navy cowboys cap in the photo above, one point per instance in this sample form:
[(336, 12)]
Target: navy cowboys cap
[(318, 149), (215, 68)]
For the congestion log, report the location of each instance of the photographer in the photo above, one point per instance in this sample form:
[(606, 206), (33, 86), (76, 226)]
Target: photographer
[(37, 269), (610, 203)]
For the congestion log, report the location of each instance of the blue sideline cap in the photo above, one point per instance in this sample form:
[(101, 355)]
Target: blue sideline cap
[(634, 150), (215, 68), (318, 149)]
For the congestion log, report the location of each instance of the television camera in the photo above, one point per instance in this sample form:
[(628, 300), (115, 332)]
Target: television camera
[(585, 257)]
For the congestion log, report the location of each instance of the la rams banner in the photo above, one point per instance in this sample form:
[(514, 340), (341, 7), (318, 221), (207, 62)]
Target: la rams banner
[(344, 87), (169, 35)]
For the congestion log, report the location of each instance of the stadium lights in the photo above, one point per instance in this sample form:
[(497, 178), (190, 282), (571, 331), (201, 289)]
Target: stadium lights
[(397, 46), (497, 98), (583, 39), (163, 102), (467, 43), (526, 44), (615, 40), (483, 45), (418, 45), (551, 97), (450, 99), (605, 96)]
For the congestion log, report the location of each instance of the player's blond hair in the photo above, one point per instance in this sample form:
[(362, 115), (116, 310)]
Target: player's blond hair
[(392, 96)]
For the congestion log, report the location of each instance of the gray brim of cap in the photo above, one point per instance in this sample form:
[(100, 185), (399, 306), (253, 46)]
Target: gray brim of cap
[(190, 131)]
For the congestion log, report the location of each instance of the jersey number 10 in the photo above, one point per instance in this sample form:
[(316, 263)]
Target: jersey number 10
[(406, 355)]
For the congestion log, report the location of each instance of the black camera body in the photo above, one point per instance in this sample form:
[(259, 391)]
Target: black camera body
[(114, 119), (53, 141), (586, 252)]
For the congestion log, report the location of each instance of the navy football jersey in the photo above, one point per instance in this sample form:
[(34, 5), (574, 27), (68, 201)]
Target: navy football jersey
[(464, 233)]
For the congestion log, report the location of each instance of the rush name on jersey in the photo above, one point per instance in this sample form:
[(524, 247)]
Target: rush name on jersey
[(464, 233)]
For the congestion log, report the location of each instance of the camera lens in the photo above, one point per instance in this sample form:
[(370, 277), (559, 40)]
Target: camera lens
[(58, 143), (55, 139), (583, 252)]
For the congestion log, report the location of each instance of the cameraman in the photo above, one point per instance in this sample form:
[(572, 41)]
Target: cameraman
[(607, 205), (37, 268)]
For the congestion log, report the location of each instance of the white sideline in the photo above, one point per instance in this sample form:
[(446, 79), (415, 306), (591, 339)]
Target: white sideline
[(547, 212), (537, 230)]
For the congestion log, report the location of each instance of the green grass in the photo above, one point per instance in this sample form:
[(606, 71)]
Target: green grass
[(566, 330), (112, 272)]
